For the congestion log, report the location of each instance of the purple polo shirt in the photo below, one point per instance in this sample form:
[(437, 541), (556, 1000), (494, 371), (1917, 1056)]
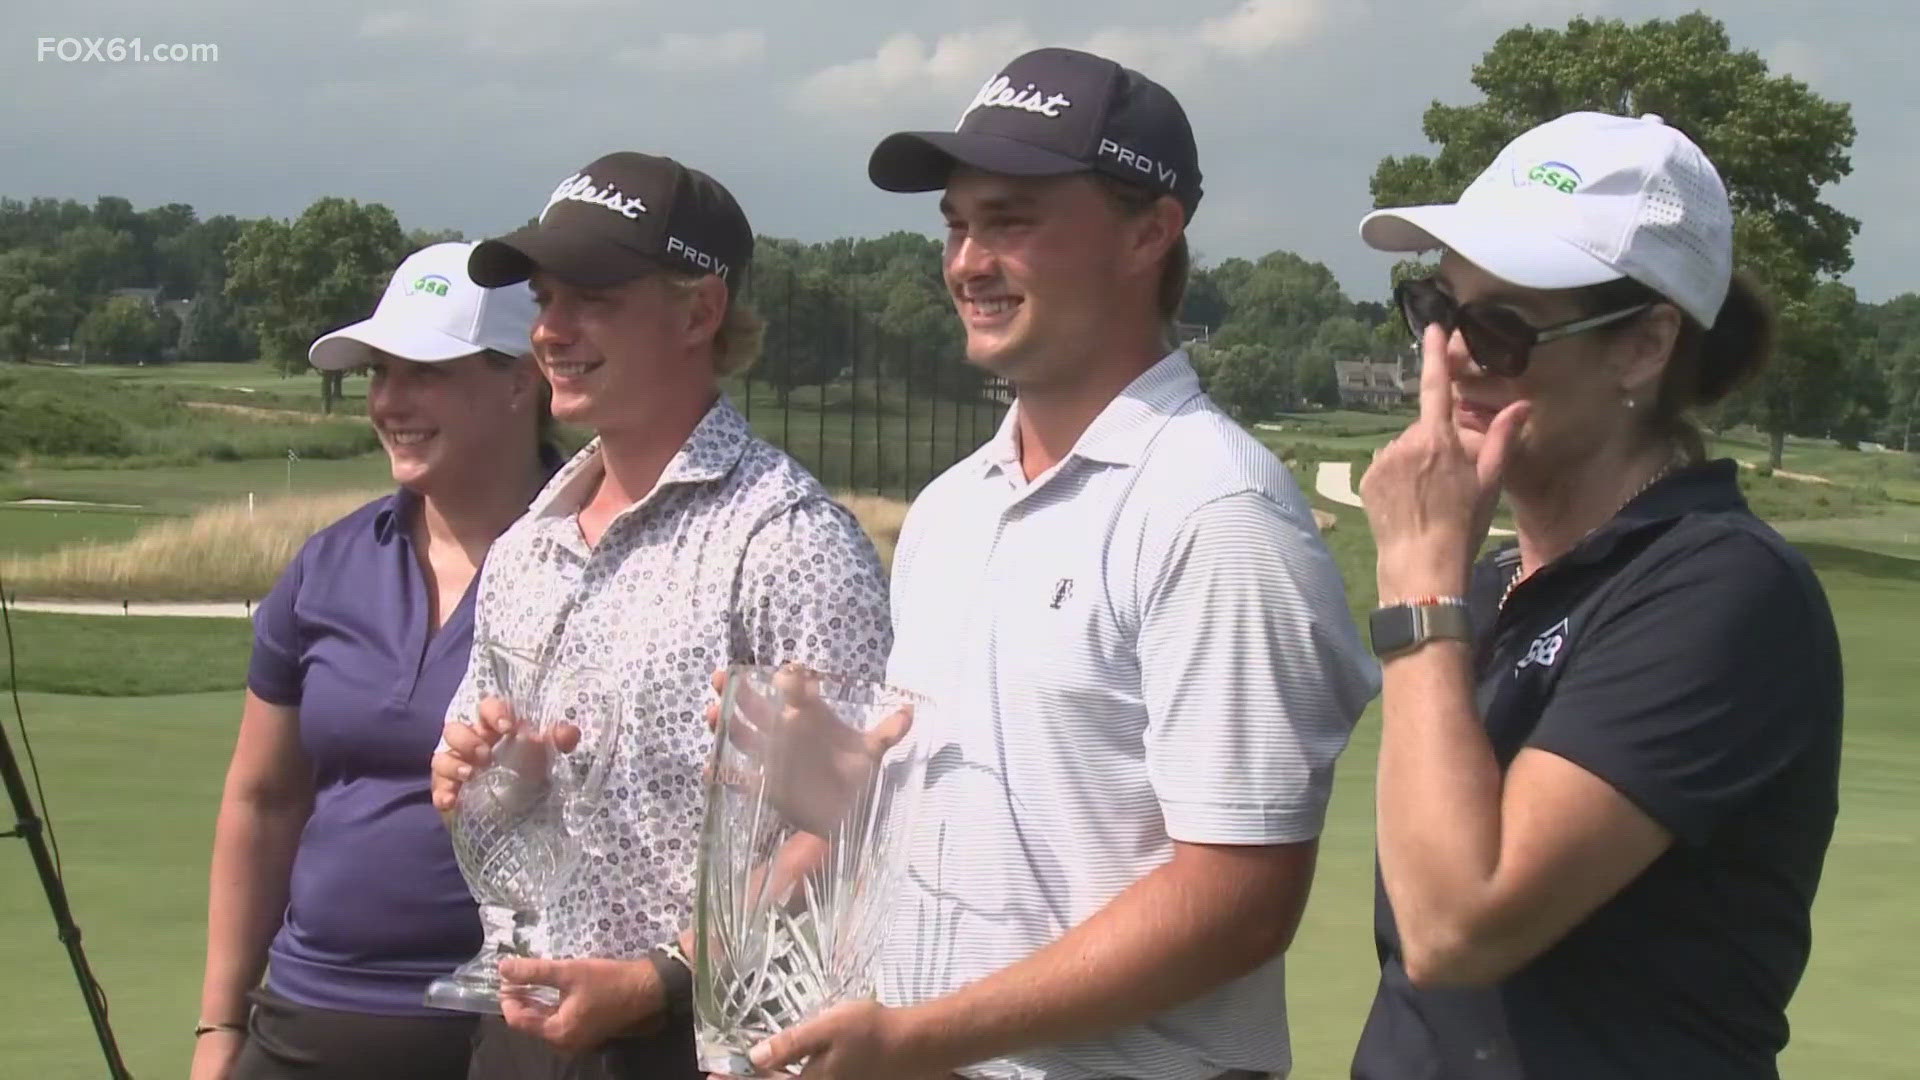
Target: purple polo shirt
[(377, 907)]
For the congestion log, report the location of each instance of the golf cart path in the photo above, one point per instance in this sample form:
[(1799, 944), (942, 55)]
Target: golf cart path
[(1785, 475), (69, 504), (210, 609), (1334, 481)]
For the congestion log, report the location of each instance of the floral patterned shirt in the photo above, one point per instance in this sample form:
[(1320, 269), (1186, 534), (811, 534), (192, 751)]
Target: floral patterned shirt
[(737, 555)]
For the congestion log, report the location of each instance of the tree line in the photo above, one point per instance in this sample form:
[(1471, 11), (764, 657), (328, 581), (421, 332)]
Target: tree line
[(1265, 333)]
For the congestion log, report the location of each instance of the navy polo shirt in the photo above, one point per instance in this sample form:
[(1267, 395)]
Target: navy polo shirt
[(376, 906), (1685, 654)]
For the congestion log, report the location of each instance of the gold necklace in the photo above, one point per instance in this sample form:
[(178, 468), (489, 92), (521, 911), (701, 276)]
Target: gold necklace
[(1674, 462)]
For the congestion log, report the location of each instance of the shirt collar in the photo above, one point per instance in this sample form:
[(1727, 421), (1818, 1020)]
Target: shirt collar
[(391, 519), (1707, 487), (709, 454), (1121, 433)]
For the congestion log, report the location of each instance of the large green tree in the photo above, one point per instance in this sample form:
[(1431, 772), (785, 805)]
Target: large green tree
[(1245, 380), (212, 332), (323, 270), (121, 330), (36, 315), (1895, 330), (193, 262), (1776, 144)]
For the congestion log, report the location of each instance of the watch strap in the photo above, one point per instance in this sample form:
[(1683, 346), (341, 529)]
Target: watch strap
[(675, 973), (1397, 629)]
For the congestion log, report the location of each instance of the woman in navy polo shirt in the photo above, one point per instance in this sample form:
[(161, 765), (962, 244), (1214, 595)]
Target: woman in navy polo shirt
[(331, 869), (1609, 757)]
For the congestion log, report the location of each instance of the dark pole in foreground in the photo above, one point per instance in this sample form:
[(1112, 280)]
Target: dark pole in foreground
[(28, 827)]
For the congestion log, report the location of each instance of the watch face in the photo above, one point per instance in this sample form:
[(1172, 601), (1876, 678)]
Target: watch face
[(1392, 629)]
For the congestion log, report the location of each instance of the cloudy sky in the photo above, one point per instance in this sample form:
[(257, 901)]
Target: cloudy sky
[(465, 113)]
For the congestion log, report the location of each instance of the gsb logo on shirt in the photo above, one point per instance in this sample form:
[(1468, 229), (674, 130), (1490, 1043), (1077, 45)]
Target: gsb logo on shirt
[(1546, 648)]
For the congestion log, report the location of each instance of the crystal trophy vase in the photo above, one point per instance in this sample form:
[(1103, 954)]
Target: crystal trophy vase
[(812, 787), (519, 825)]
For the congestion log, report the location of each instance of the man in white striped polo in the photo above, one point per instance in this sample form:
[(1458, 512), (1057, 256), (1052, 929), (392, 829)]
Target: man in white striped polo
[(1141, 648)]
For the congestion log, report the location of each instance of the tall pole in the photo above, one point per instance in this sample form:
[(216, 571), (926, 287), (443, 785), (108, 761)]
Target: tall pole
[(29, 827)]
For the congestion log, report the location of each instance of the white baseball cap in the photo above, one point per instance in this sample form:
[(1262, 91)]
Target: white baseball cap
[(1583, 199), (432, 312)]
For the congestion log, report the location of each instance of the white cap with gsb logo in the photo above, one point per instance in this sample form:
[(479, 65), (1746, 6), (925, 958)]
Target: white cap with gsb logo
[(433, 312), (1583, 199)]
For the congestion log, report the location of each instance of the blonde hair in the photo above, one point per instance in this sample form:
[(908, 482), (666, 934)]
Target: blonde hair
[(736, 345)]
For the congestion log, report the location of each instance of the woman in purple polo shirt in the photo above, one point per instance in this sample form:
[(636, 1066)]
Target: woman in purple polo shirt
[(331, 870)]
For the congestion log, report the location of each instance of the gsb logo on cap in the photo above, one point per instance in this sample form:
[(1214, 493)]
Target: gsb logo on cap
[(429, 283), (1557, 175)]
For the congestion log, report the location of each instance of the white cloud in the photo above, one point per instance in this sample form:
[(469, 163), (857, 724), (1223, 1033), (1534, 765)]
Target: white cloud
[(700, 52), (905, 70), (1796, 58), (1257, 26), (388, 25), (1536, 11), (500, 28)]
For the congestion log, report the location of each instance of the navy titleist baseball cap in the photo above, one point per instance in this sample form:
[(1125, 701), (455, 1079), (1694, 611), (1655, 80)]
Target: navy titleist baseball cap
[(617, 218), (1052, 112)]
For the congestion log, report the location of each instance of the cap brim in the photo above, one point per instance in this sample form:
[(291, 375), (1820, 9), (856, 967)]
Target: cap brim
[(923, 160), (1504, 244), (592, 262), (353, 346)]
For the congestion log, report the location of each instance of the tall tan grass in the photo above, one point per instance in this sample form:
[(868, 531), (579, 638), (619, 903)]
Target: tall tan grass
[(222, 553), (881, 517)]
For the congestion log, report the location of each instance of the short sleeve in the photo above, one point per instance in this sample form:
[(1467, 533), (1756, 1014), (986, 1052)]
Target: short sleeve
[(1698, 685), (1253, 675), (274, 671), (812, 592)]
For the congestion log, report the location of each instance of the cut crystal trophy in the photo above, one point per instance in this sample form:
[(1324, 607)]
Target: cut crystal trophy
[(812, 788), (519, 826)]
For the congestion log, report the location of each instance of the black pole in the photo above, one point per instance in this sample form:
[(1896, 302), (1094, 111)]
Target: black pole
[(28, 827), (820, 390), (786, 372), (746, 377), (906, 428), (853, 400), (933, 428)]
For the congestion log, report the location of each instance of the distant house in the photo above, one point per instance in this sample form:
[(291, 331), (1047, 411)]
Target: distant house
[(1373, 384), (1188, 333), (149, 297)]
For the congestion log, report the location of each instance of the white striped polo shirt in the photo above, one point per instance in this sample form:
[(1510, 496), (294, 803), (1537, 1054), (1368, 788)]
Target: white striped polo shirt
[(1147, 643)]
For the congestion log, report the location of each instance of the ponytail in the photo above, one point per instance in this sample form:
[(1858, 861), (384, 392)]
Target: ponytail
[(1736, 349)]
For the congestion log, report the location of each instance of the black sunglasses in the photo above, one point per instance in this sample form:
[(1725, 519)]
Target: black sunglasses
[(1499, 340)]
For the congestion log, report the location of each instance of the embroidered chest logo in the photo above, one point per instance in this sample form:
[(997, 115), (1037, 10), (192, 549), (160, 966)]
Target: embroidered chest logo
[(1062, 590), (1546, 648)]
